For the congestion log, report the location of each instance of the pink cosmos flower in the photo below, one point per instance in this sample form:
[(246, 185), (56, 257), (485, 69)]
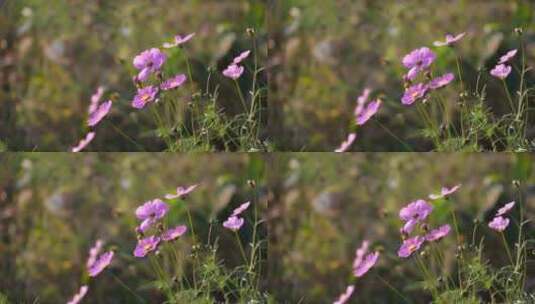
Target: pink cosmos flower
[(174, 233), (367, 263), (233, 71), (79, 296), (241, 57), (437, 234), (413, 214), (179, 40), (233, 223), (418, 60), (505, 209), (368, 112), (344, 297), (347, 143), (149, 62), (450, 40), (410, 246), (360, 253), (144, 96), (100, 112), (152, 209), (444, 192), (100, 264), (84, 142), (499, 223), (414, 93), (501, 71), (441, 81), (508, 56), (173, 83), (240, 209), (182, 192), (95, 99), (361, 101), (146, 224), (146, 246), (93, 253)]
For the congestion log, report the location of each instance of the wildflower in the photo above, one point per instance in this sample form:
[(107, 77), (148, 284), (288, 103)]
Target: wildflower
[(508, 56), (173, 83), (410, 246), (233, 223), (368, 112), (93, 253), (344, 297), (146, 224), (499, 223), (100, 263), (367, 263), (505, 209), (84, 142), (417, 210), (437, 234), (233, 71), (155, 209), (441, 81), (361, 101), (414, 93), (79, 296), (146, 245), (360, 252), (99, 113), (450, 40), (240, 209), (347, 143), (179, 40), (174, 233), (149, 62), (418, 60), (181, 192), (241, 57), (444, 192), (95, 99), (144, 96), (501, 71)]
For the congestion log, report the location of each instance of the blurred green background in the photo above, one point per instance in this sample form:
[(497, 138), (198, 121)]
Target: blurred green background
[(55, 53), (325, 205), (54, 206), (324, 53)]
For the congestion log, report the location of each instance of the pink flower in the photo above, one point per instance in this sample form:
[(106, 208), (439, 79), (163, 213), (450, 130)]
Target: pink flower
[(93, 253), (152, 209), (173, 83), (410, 246), (146, 224), (233, 71), (361, 101), (347, 143), (450, 40), (441, 81), (437, 234), (241, 57), (417, 210), (233, 223), (344, 297), (179, 40), (100, 264), (367, 263), (99, 113), (144, 96), (149, 62), (505, 209), (508, 56), (444, 192), (414, 93), (499, 223), (95, 99), (240, 209), (79, 296), (174, 233), (368, 112), (84, 142), (501, 71), (360, 253), (146, 245), (182, 192)]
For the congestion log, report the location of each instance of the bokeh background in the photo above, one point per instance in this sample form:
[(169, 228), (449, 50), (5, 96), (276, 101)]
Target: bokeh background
[(325, 205), (322, 55), (54, 206), (54, 54)]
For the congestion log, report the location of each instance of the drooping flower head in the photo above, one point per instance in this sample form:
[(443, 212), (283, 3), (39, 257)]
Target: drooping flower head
[(84, 142), (233, 71), (95, 99), (241, 209), (444, 192), (152, 209), (182, 192), (173, 83), (80, 295), (508, 56), (100, 264), (94, 252), (178, 40), (450, 40), (361, 101), (410, 246), (174, 233), (360, 253), (441, 81), (146, 246), (368, 112), (149, 62), (347, 143), (344, 297), (241, 57), (438, 233), (367, 263), (506, 208), (499, 223), (144, 96), (414, 93), (233, 223), (501, 71), (99, 113)]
